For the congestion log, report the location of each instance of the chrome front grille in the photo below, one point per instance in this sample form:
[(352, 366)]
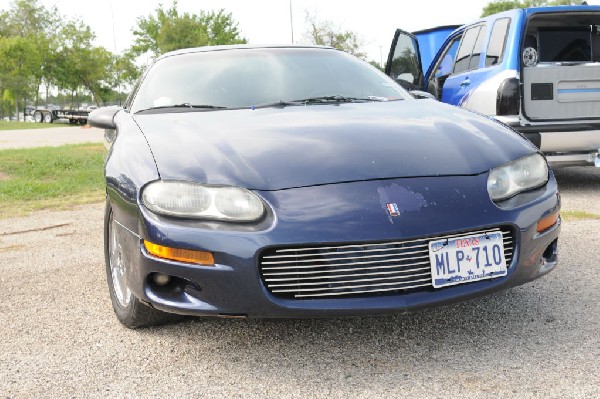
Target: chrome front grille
[(355, 269)]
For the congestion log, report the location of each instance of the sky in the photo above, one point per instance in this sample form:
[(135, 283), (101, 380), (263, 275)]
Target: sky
[(269, 22)]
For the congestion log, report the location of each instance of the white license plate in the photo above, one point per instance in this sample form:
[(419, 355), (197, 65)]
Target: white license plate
[(465, 259)]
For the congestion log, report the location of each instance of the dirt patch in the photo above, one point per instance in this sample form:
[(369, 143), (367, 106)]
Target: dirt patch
[(12, 248), (55, 226), (4, 176), (73, 233)]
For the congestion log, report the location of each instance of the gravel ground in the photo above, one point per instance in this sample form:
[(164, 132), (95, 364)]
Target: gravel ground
[(50, 137), (59, 337)]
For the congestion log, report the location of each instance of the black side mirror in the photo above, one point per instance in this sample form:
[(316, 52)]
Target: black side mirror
[(104, 118)]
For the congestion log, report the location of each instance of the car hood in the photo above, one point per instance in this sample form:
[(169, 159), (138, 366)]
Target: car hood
[(299, 146)]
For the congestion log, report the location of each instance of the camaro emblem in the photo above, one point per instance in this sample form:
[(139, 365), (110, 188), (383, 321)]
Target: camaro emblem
[(393, 209)]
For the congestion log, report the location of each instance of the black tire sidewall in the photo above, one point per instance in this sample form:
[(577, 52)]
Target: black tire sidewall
[(123, 313), (136, 314)]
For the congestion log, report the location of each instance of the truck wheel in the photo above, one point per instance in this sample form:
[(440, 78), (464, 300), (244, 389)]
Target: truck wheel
[(82, 122), (38, 117), (48, 117), (72, 121)]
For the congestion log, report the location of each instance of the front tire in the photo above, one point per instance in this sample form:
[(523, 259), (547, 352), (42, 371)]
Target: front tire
[(130, 311)]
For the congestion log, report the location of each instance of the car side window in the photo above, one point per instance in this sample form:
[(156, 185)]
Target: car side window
[(446, 63), (463, 58), (132, 93), (495, 49)]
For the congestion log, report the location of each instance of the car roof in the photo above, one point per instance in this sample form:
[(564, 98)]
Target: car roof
[(205, 49)]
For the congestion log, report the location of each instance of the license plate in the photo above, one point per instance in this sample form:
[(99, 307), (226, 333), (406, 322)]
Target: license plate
[(465, 259)]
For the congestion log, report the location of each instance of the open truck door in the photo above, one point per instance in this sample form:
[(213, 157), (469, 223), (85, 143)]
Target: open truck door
[(414, 52), (404, 61)]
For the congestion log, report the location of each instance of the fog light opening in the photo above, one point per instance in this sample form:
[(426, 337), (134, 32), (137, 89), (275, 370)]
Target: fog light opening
[(161, 279), (166, 287), (551, 252)]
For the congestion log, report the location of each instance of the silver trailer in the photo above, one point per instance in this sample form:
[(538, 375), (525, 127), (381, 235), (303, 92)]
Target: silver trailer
[(41, 115)]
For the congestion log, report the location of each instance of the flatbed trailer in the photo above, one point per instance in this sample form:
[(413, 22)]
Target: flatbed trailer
[(41, 115)]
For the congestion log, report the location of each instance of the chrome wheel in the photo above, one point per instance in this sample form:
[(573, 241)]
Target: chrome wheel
[(118, 267), (130, 311)]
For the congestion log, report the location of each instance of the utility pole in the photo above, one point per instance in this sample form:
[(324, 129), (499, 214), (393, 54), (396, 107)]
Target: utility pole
[(112, 14), (291, 22)]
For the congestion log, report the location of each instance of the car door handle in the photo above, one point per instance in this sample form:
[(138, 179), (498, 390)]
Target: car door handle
[(465, 83)]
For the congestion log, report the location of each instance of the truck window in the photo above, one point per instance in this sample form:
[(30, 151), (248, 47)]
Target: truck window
[(445, 65), (405, 61), (565, 44), (463, 57), (443, 68), (478, 49), (495, 49)]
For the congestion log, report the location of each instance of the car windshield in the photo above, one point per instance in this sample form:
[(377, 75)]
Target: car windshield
[(238, 78)]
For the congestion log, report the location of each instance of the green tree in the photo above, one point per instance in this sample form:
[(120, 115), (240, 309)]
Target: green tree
[(78, 64), (17, 68), (41, 48), (168, 30), (376, 65), (28, 17), (326, 33), (27, 31), (503, 5), (181, 32), (123, 71)]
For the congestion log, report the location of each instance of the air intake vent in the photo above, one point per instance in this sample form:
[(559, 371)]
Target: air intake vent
[(355, 270)]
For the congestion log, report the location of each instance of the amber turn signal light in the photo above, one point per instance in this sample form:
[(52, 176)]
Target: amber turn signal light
[(180, 255), (547, 221)]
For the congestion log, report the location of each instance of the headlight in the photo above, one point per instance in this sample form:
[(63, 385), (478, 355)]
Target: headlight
[(189, 200), (517, 176)]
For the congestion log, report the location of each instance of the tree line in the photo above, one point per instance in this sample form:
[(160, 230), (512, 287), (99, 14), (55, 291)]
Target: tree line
[(42, 53), (504, 5), (41, 50)]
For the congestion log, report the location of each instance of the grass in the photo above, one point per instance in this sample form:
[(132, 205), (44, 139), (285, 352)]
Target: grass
[(13, 125), (578, 215), (50, 178), (61, 177)]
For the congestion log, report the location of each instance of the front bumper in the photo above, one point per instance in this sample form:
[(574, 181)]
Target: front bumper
[(574, 159), (572, 144), (341, 213)]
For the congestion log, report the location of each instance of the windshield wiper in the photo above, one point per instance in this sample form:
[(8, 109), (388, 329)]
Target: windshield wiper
[(338, 99), (183, 105), (276, 104)]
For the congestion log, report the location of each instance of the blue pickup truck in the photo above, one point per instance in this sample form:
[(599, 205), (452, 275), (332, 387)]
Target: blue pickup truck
[(535, 69)]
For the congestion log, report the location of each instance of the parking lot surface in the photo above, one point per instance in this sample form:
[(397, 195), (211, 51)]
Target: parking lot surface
[(50, 137), (59, 337)]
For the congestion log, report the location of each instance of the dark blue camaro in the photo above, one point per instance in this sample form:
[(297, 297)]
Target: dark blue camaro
[(302, 182)]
